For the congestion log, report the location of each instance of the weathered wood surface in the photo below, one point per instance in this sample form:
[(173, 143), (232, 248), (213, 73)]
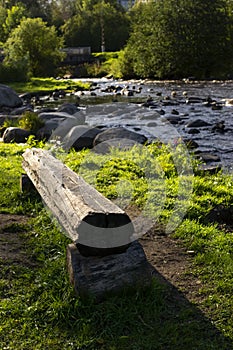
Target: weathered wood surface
[(100, 276), (87, 217)]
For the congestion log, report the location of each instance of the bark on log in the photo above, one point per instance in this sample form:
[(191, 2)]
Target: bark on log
[(99, 277), (87, 217)]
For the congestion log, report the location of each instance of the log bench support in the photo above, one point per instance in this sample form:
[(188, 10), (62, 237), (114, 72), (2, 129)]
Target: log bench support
[(104, 257), (112, 274)]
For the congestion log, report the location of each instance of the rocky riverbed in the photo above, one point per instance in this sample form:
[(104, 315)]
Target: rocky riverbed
[(201, 113)]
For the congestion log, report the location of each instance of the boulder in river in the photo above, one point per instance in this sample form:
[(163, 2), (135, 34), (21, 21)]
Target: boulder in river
[(62, 116), (119, 137), (119, 133), (80, 137), (46, 131), (69, 108), (14, 134), (197, 123), (9, 98), (208, 157)]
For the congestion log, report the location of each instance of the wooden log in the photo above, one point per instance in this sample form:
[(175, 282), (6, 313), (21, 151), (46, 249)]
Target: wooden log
[(26, 185), (100, 276), (87, 217)]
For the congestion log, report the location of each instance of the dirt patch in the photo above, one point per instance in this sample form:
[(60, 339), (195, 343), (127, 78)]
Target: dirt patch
[(12, 246), (9, 219), (171, 262)]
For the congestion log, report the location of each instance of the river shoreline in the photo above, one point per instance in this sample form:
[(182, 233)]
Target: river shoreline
[(198, 111)]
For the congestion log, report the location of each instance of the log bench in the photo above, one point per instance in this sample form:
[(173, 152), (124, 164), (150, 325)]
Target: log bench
[(103, 256)]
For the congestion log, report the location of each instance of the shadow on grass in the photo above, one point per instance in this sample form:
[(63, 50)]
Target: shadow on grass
[(157, 318), (40, 311)]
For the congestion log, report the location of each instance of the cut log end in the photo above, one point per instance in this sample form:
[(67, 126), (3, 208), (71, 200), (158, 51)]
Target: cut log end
[(103, 234)]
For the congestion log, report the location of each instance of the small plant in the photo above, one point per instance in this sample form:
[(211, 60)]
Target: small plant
[(10, 122), (33, 142), (30, 121)]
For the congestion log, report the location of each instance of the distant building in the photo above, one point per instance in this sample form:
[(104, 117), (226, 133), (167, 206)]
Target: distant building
[(76, 55)]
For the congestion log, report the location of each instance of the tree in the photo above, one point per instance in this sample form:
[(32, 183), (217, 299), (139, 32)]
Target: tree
[(3, 14), (36, 42), (61, 11), (13, 18), (91, 26), (178, 38), (35, 8)]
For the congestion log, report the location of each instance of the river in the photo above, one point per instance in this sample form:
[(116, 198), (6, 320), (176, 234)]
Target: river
[(164, 109)]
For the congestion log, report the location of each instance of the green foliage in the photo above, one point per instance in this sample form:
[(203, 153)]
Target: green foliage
[(33, 142), (12, 200), (105, 63), (147, 177), (36, 42), (10, 122), (173, 39), (14, 15), (94, 24), (14, 72), (30, 121), (121, 67), (3, 14)]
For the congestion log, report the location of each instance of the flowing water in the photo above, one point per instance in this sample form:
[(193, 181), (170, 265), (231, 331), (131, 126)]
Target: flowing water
[(110, 103)]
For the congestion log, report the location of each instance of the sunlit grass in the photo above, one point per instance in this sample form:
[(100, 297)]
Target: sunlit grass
[(38, 308), (48, 84)]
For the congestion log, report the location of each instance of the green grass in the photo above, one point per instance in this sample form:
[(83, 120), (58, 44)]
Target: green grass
[(12, 200), (105, 64), (38, 308), (48, 84)]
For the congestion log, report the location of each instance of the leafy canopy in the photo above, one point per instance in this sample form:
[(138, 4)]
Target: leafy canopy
[(13, 18), (95, 22), (36, 42), (177, 38)]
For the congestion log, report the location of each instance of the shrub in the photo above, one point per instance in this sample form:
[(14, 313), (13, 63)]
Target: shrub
[(14, 73), (30, 121)]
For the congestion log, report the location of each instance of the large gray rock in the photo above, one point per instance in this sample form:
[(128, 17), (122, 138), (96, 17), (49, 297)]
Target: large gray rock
[(9, 98), (21, 110), (55, 115), (119, 138), (46, 131), (119, 133), (80, 137), (13, 134), (65, 122), (198, 123), (69, 108)]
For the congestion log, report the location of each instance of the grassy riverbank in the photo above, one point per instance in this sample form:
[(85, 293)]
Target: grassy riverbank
[(38, 308), (48, 84)]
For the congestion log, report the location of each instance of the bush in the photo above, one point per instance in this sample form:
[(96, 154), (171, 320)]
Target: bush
[(14, 73), (30, 121), (105, 64)]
